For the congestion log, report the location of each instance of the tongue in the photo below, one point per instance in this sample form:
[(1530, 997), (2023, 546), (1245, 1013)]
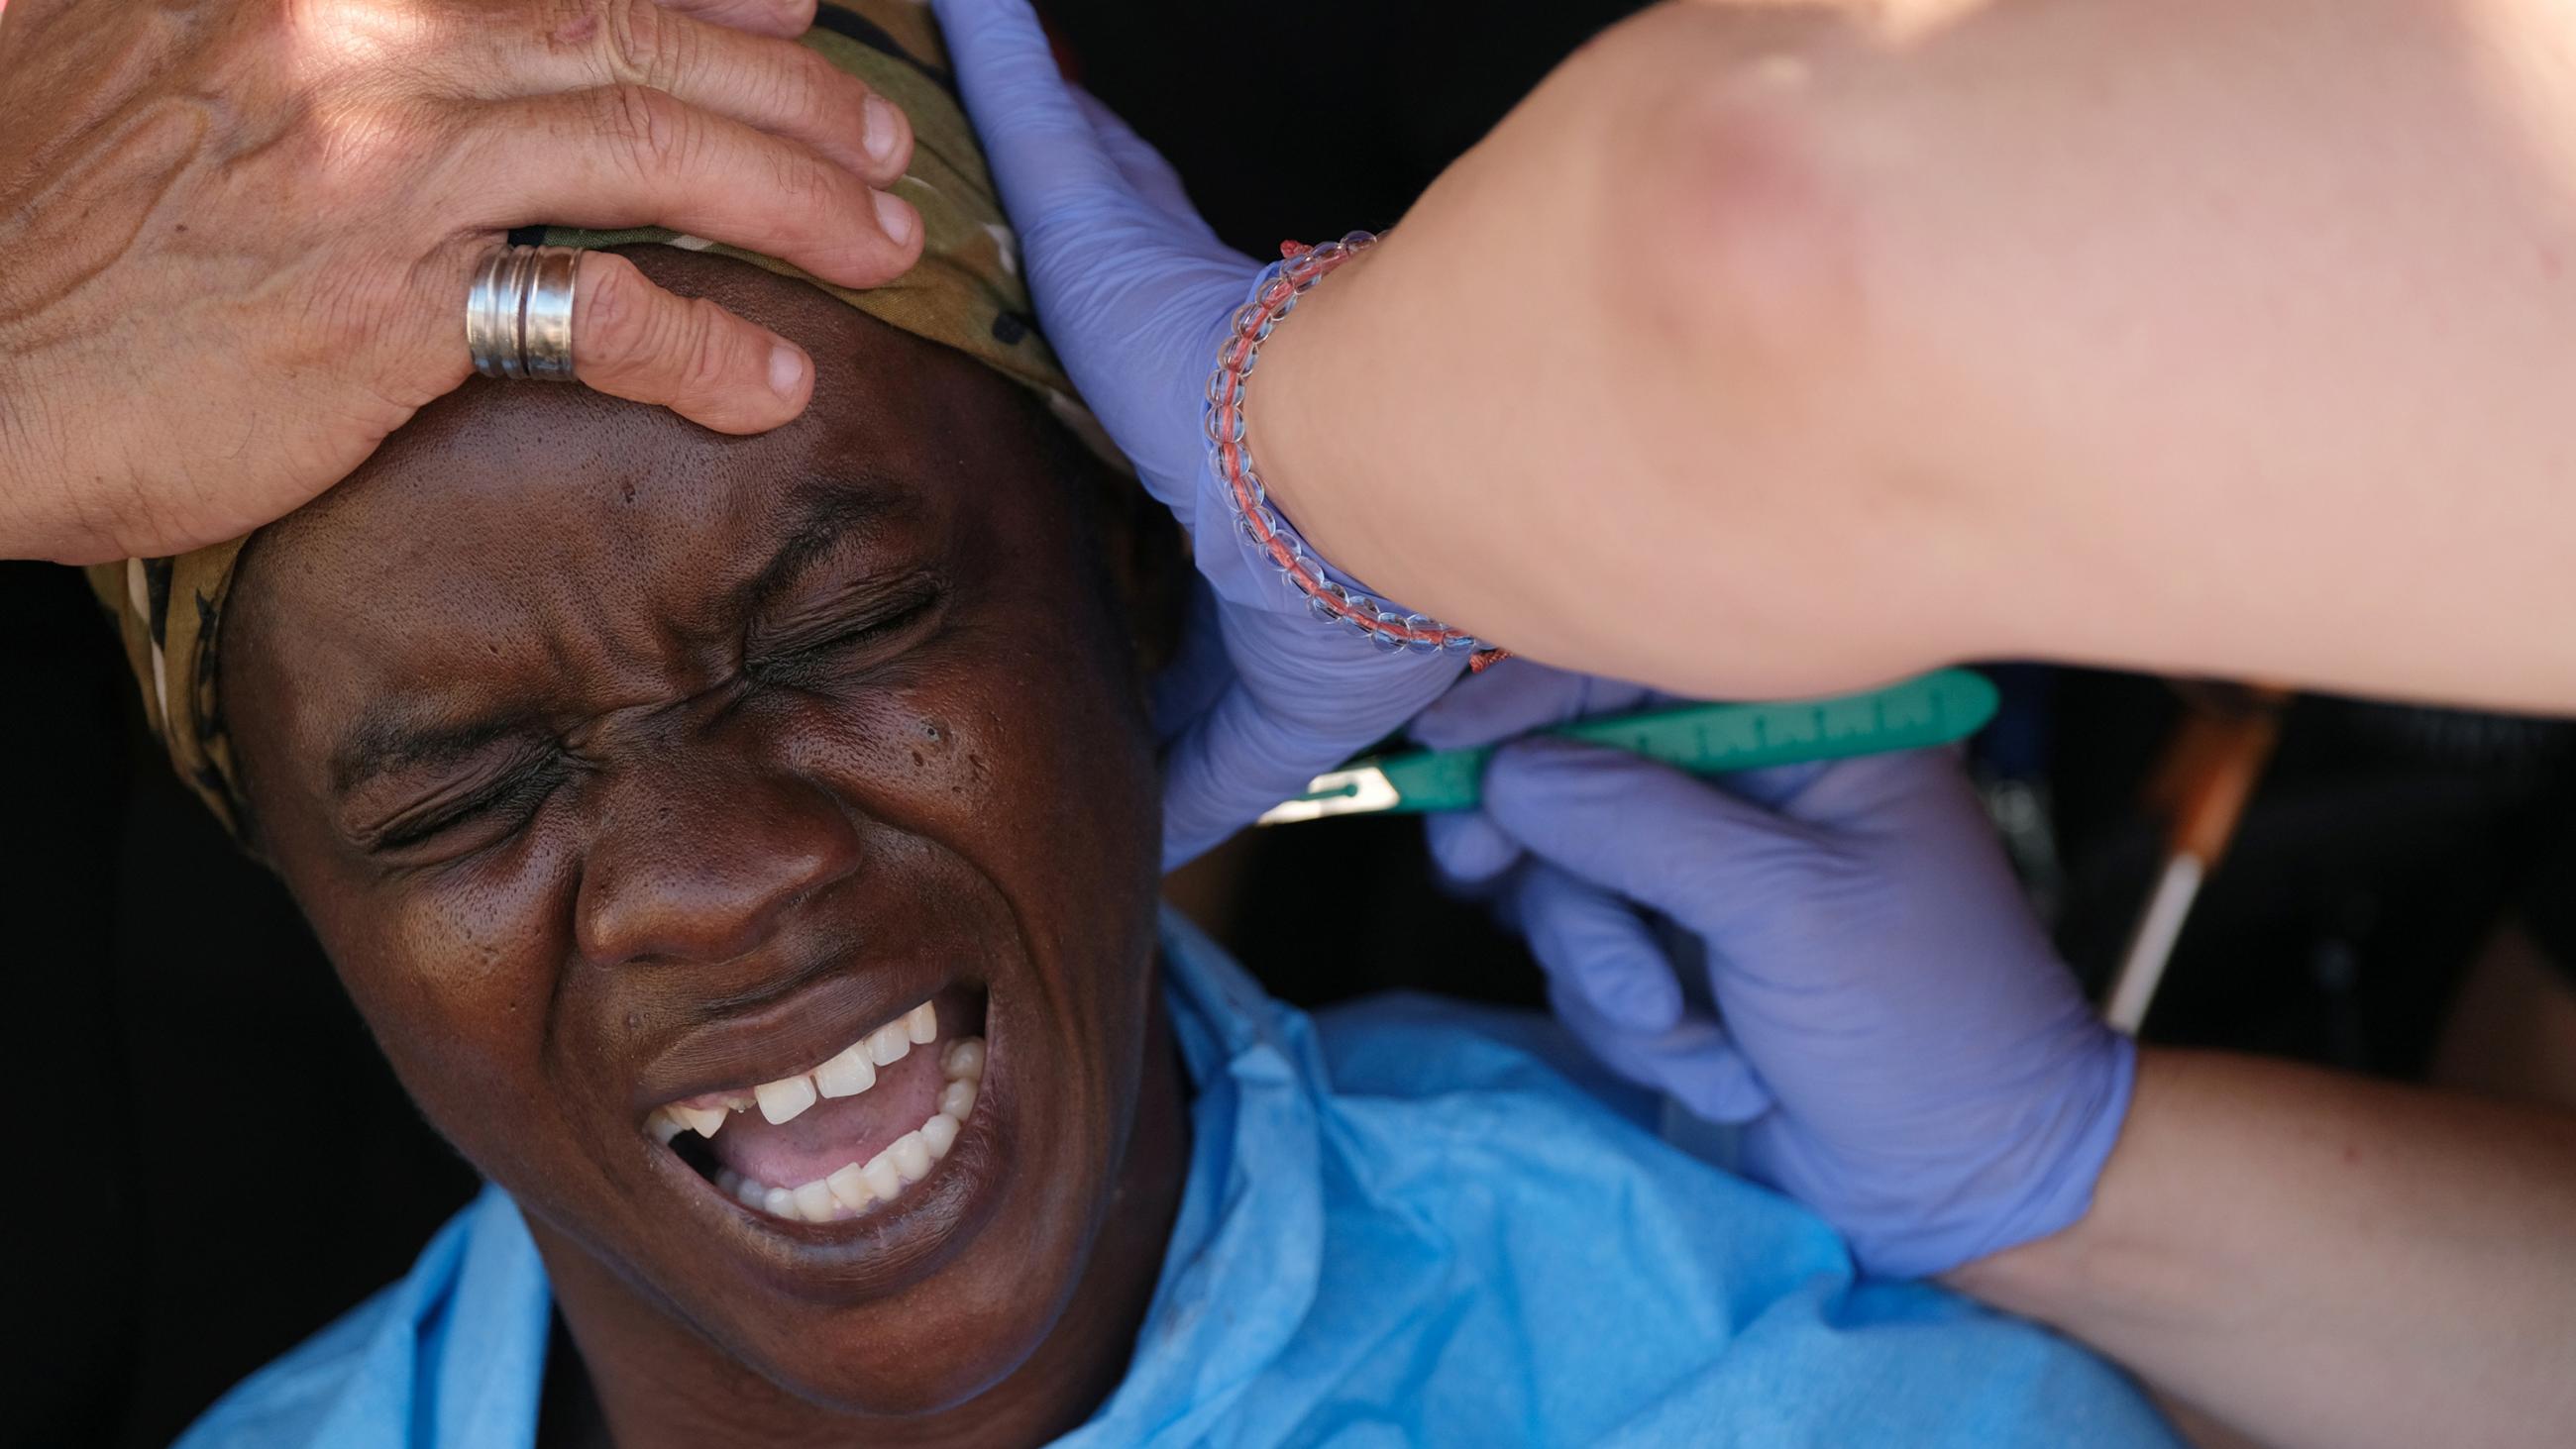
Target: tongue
[(834, 1132)]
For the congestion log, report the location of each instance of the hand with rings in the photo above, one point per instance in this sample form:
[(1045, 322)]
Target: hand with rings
[(242, 241)]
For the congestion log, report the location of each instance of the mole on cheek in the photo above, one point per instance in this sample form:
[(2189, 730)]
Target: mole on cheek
[(931, 736)]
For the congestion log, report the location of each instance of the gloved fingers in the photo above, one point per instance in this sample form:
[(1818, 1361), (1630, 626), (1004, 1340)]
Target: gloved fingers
[(1694, 1062), (1918, 787), (1240, 757), (1776, 787), (1469, 849), (1721, 1085), (1148, 175), (1593, 944), (1043, 151), (1516, 697), (1199, 671), (1650, 833)]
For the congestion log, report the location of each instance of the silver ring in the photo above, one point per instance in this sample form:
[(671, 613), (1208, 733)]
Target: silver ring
[(518, 312)]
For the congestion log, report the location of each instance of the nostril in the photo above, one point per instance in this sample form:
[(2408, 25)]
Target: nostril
[(708, 869)]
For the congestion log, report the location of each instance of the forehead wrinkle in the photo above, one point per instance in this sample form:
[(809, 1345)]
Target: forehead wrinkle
[(392, 733)]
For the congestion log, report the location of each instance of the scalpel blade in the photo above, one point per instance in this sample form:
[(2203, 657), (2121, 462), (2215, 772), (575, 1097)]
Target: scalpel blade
[(1337, 792)]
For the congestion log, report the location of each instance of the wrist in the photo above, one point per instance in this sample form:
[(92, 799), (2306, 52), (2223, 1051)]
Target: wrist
[(2048, 1276), (1243, 504), (2034, 1177), (1283, 414)]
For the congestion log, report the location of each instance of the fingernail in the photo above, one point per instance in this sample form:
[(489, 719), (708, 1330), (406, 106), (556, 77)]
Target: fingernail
[(880, 127), (786, 371), (894, 217)]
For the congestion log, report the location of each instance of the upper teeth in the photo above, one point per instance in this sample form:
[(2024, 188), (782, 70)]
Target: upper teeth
[(851, 1071), (857, 1187), (782, 1100)]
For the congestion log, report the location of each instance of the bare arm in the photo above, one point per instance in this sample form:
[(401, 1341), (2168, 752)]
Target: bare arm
[(1783, 347), (2322, 1260)]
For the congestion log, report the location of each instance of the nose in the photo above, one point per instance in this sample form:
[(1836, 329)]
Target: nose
[(698, 861)]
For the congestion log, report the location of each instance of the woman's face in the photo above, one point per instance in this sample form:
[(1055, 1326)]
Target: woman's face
[(620, 765)]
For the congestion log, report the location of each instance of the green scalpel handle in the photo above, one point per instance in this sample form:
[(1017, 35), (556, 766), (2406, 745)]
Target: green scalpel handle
[(1706, 739)]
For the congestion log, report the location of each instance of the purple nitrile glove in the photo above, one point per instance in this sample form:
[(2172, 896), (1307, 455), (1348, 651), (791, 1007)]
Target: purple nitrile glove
[(1134, 292), (1908, 1056)]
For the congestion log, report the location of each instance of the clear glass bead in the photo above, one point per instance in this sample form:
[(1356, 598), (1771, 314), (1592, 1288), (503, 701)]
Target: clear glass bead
[(1224, 423)]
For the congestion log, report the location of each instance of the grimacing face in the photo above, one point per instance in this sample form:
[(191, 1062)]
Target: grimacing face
[(621, 765)]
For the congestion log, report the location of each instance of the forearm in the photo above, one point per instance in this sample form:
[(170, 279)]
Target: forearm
[(1770, 348), (2322, 1260)]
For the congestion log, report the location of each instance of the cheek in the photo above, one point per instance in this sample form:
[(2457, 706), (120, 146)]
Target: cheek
[(1027, 761), (1022, 750), (456, 976), (1047, 782)]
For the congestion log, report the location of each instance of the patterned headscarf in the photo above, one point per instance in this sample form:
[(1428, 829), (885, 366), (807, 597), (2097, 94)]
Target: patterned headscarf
[(965, 292)]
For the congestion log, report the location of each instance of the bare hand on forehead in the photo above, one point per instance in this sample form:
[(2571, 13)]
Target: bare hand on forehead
[(236, 237)]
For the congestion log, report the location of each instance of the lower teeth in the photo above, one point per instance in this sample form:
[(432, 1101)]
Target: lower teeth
[(857, 1187)]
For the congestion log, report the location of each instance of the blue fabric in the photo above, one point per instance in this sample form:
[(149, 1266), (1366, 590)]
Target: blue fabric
[(1402, 1226)]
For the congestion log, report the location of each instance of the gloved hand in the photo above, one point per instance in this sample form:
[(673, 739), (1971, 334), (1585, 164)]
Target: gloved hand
[(1134, 291), (1909, 1057)]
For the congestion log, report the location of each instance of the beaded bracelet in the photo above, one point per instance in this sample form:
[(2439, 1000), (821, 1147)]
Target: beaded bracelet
[(1274, 295)]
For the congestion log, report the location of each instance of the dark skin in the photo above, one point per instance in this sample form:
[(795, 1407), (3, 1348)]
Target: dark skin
[(614, 760)]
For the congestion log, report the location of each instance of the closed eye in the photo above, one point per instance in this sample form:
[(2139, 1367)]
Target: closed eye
[(472, 818), (799, 655)]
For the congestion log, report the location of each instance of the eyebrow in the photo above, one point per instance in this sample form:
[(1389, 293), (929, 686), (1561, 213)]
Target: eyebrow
[(820, 515), (389, 734), (388, 737)]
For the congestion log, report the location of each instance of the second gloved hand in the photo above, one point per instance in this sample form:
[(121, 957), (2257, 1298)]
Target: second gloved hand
[(1134, 291), (1909, 1057)]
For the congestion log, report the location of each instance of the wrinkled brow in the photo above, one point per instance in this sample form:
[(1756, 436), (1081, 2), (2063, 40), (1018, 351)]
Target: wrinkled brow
[(387, 738), (818, 516), (389, 734)]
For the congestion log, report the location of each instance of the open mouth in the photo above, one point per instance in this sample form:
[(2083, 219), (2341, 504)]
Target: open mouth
[(843, 1137)]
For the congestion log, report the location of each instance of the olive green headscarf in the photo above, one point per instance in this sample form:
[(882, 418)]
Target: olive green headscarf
[(965, 292)]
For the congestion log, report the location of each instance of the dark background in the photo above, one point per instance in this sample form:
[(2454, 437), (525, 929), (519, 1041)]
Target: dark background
[(216, 1162)]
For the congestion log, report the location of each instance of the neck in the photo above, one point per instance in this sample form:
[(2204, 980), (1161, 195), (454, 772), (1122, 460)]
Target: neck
[(658, 1382)]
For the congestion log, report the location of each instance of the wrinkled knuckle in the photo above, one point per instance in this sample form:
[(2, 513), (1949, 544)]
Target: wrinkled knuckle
[(809, 85), (705, 350), (640, 42), (648, 122), (614, 311)]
